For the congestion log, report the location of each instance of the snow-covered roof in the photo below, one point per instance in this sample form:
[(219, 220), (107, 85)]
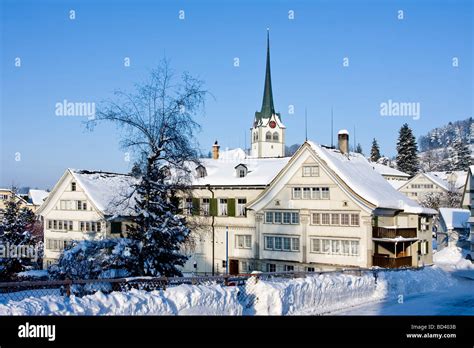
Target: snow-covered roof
[(356, 171), (389, 171), (111, 193), (457, 177), (234, 154), (455, 217), (396, 184), (221, 172), (437, 180), (37, 197)]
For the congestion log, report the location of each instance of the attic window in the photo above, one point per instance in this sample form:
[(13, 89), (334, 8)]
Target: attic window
[(73, 186), (201, 171), (241, 170)]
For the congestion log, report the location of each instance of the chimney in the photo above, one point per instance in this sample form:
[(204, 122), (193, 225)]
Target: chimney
[(215, 150), (343, 141)]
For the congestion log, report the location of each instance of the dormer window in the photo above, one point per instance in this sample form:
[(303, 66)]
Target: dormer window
[(73, 186), (201, 171), (241, 170)]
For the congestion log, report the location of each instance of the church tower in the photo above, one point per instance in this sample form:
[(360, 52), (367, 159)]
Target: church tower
[(268, 132)]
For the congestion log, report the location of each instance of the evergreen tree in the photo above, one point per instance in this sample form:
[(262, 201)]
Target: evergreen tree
[(461, 155), (407, 151), (14, 233), (359, 148), (160, 232), (375, 151)]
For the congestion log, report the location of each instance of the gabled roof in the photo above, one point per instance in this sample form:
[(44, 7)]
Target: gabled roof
[(447, 176), (389, 171), (111, 193), (357, 173), (437, 180), (455, 217), (37, 197)]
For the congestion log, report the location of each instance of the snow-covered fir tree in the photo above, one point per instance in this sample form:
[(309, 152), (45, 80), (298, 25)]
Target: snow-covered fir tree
[(407, 151), (14, 232), (374, 151), (432, 200), (460, 154), (358, 149)]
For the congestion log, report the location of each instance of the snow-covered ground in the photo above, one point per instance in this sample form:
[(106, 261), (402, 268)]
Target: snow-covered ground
[(445, 288)]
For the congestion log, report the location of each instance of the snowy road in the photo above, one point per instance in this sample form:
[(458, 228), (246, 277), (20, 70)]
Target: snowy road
[(455, 300)]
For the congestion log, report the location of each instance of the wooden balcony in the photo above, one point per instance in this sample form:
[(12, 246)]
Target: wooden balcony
[(384, 232), (391, 262)]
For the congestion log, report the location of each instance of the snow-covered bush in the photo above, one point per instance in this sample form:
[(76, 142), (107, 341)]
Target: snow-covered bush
[(101, 259)]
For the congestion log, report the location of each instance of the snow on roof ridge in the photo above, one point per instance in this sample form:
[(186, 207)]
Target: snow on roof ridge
[(355, 170), (437, 180)]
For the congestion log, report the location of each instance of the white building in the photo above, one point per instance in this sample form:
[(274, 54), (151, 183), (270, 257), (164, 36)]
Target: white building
[(468, 203), (395, 177), (453, 228), (85, 205)]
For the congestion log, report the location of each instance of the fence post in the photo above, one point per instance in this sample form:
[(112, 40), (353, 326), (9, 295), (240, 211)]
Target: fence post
[(226, 280), (68, 287)]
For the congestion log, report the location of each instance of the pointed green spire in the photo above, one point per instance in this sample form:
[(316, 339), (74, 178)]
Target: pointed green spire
[(268, 108)]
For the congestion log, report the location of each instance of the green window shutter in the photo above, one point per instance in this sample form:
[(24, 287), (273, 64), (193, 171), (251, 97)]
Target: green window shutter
[(196, 207), (213, 207), (231, 207)]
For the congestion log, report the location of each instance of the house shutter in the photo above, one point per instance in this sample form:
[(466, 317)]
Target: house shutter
[(213, 207), (196, 207), (231, 206)]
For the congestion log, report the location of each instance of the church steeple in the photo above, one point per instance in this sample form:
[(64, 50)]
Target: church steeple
[(268, 108)]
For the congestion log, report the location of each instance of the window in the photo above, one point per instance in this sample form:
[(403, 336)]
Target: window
[(316, 218), (295, 218), (306, 193), (297, 193), (324, 192), (243, 241), (278, 219), (316, 193), (325, 219), (201, 171), (289, 268), (309, 269), (188, 206), (206, 203), (271, 267), (268, 136), (241, 202), (223, 206), (355, 219), (241, 173), (245, 266), (50, 224), (269, 243), (83, 226), (334, 219), (55, 224), (277, 243), (116, 227), (310, 170), (81, 205), (56, 244), (275, 136), (73, 186), (345, 219), (84, 206), (286, 218), (282, 243), (269, 217), (335, 246)]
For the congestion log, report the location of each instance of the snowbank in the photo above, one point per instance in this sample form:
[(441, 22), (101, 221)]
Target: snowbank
[(315, 294), (182, 300), (452, 257)]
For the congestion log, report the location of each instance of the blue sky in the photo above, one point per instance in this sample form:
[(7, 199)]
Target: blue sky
[(81, 60)]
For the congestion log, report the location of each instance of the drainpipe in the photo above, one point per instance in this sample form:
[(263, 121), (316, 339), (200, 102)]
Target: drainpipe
[(212, 228)]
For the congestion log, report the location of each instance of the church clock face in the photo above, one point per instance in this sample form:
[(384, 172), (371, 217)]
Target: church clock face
[(272, 124)]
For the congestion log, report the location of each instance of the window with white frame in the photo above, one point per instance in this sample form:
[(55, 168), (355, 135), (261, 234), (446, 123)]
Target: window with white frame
[(188, 206), (344, 247), (324, 192), (223, 206), (355, 221), (73, 186), (316, 218), (289, 268), (335, 219), (286, 217), (243, 241), (310, 170), (55, 244), (81, 205), (325, 218), (345, 219), (245, 267), (282, 243), (241, 203), (296, 192), (306, 192), (310, 192)]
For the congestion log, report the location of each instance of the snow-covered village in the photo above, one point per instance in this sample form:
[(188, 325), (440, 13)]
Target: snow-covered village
[(218, 171)]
